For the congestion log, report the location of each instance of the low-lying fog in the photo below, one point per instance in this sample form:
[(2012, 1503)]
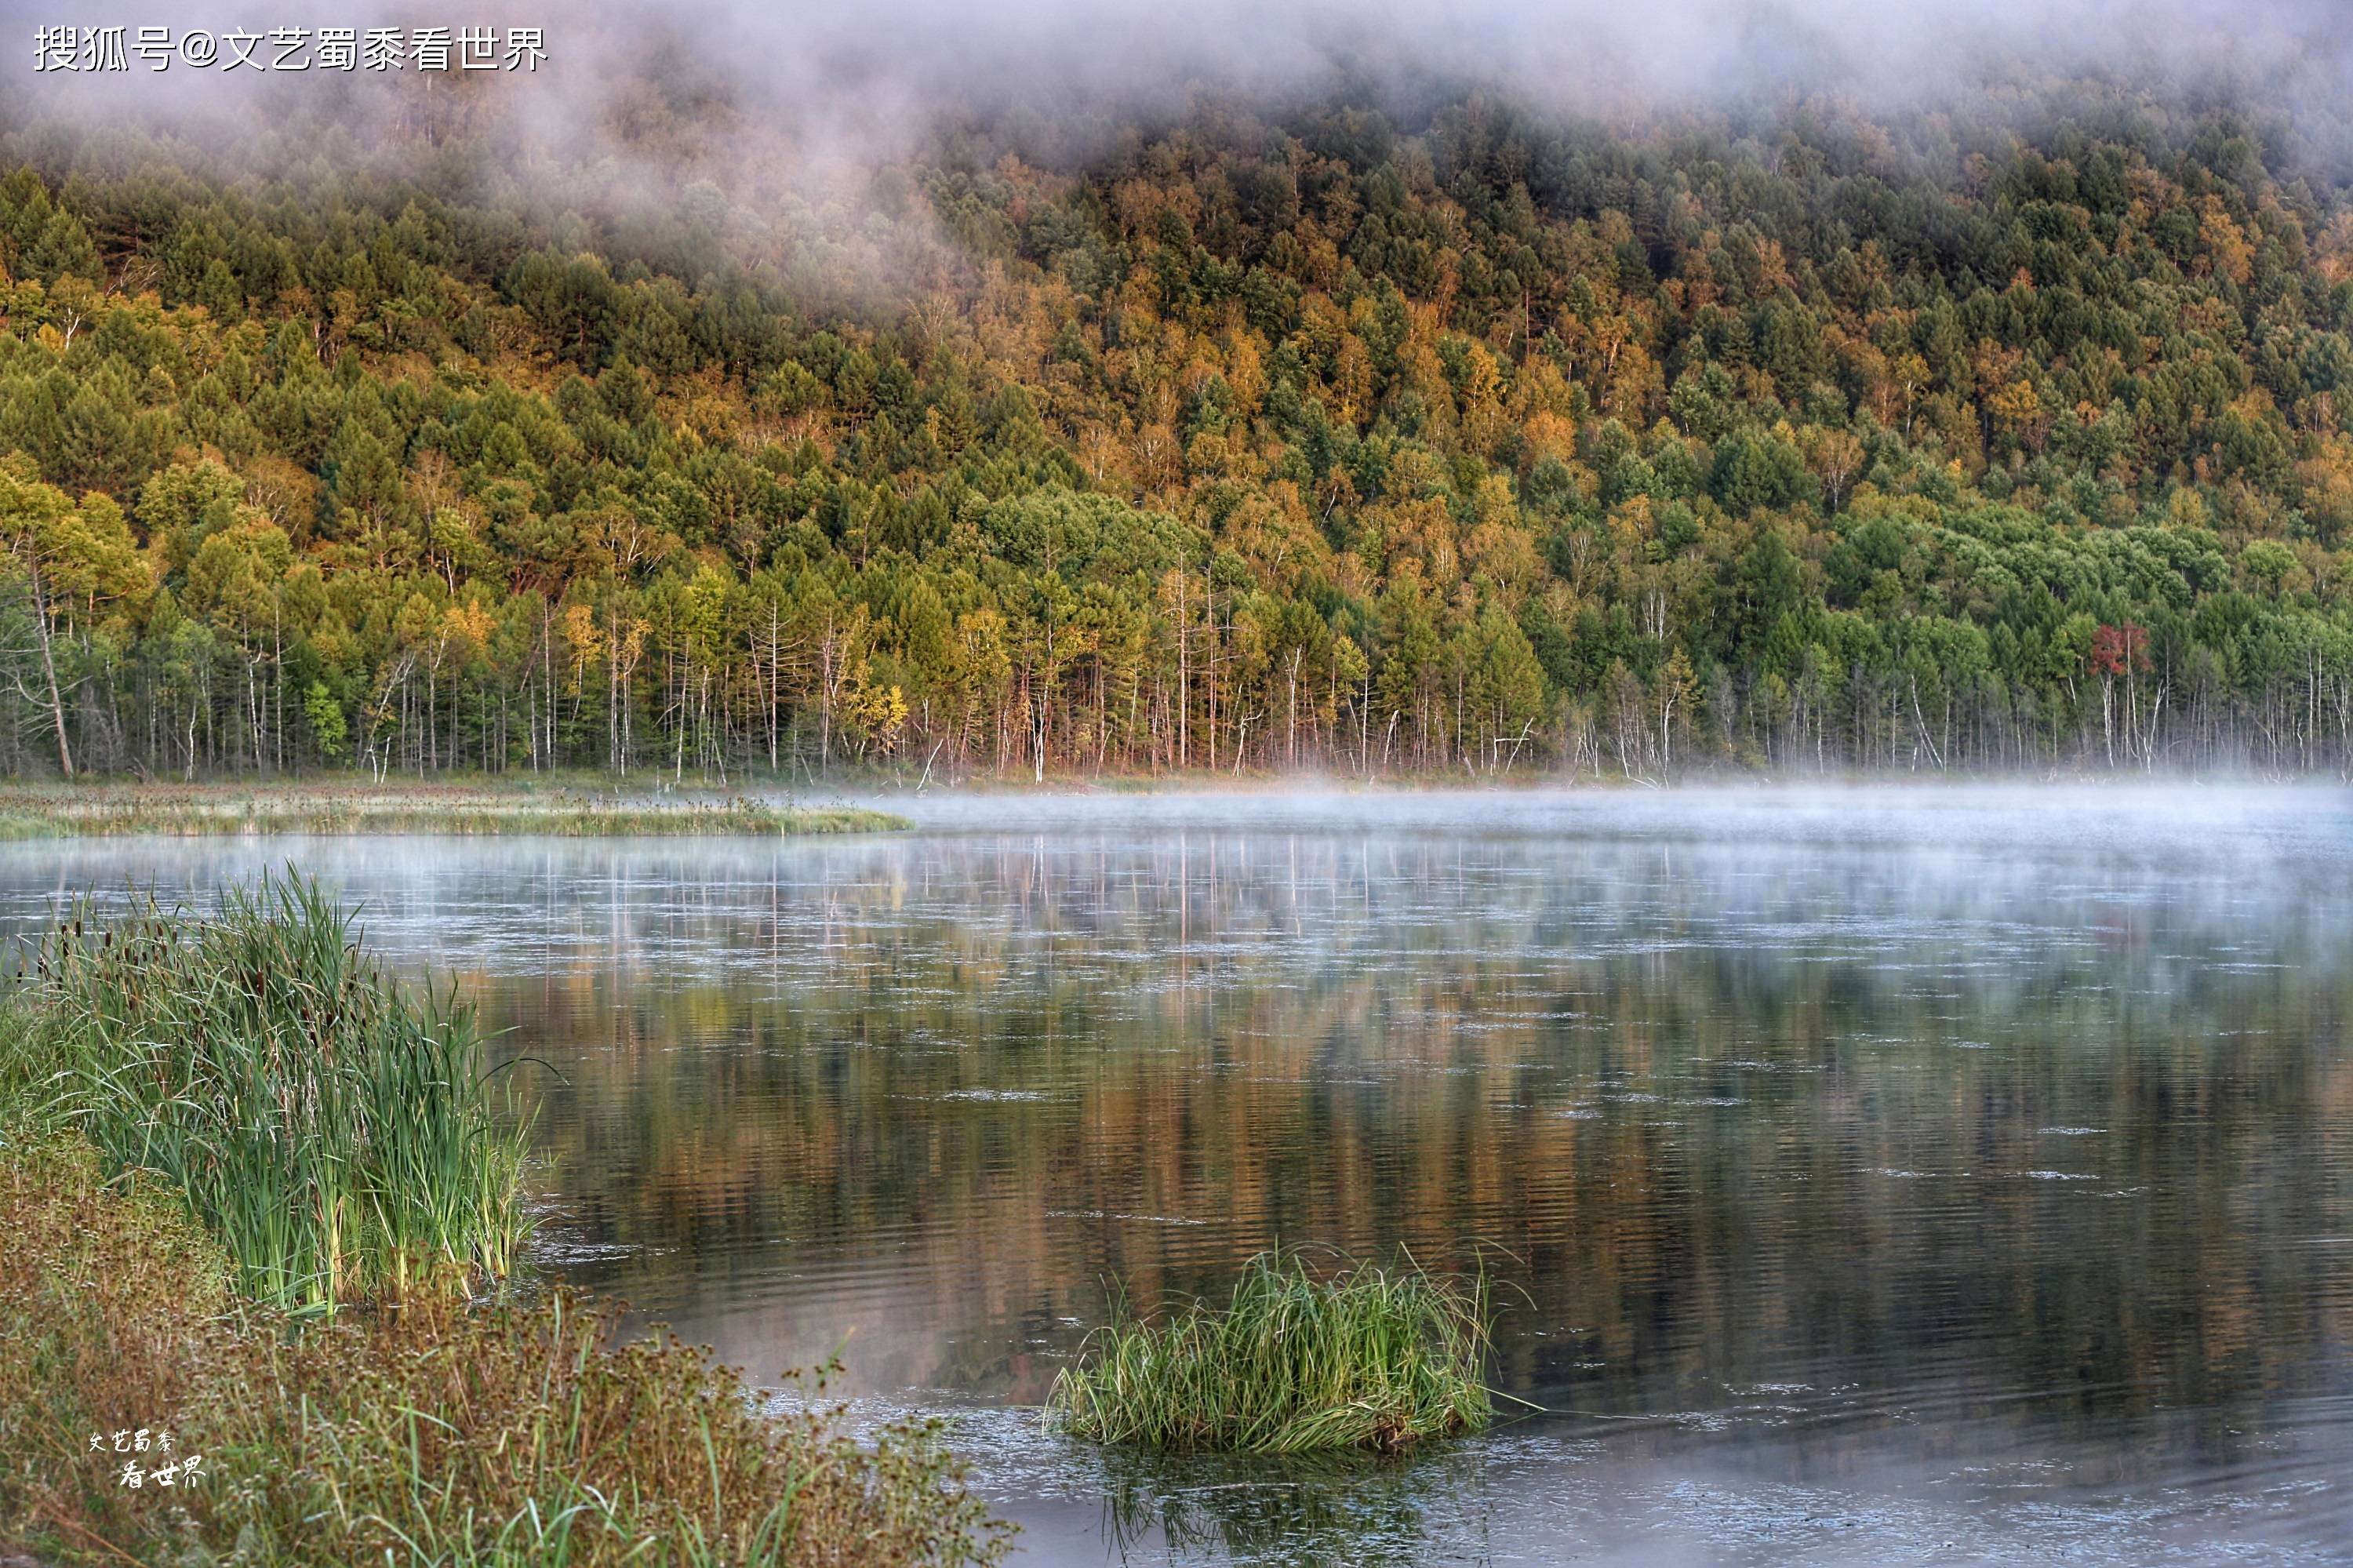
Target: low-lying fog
[(2273, 819)]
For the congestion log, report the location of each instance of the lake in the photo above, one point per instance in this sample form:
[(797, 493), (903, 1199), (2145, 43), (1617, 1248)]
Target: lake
[(1898, 1175)]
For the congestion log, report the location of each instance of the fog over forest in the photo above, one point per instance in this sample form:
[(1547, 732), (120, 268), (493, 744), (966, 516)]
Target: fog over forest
[(977, 392), (866, 80)]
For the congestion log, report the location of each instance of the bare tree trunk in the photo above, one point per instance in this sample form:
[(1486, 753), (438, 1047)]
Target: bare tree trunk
[(1292, 718), (49, 674)]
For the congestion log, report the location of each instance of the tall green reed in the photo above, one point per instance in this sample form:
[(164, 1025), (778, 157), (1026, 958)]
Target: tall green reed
[(340, 1134)]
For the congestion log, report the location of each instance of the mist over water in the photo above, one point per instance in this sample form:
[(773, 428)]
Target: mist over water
[(1951, 1175), (2278, 822)]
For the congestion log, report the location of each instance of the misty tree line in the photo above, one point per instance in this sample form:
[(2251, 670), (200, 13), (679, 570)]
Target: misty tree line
[(1325, 444)]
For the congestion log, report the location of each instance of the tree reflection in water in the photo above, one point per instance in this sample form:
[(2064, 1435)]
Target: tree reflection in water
[(2019, 1162)]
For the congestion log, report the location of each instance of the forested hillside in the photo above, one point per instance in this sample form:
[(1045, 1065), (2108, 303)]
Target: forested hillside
[(1470, 440)]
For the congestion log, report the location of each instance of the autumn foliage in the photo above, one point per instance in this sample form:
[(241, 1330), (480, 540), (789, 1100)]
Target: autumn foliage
[(1267, 438)]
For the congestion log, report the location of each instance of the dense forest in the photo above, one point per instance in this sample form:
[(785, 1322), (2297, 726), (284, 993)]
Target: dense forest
[(1333, 435)]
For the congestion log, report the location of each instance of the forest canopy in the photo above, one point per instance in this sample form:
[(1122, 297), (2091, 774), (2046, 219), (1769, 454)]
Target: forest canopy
[(1341, 433)]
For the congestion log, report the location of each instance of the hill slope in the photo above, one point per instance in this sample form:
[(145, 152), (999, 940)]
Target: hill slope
[(1258, 438)]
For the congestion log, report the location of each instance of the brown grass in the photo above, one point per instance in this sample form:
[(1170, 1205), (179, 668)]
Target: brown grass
[(439, 1431)]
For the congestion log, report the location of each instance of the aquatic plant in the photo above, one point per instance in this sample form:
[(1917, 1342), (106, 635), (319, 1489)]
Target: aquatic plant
[(341, 1136), (1368, 1358)]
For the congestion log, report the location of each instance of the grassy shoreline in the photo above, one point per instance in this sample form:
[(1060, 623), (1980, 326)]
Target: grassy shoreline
[(329, 810), (254, 1193)]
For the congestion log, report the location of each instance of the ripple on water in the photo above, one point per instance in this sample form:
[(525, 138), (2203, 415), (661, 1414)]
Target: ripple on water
[(939, 1093)]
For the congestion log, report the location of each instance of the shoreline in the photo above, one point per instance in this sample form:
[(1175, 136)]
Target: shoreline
[(604, 808), (229, 809), (290, 1239)]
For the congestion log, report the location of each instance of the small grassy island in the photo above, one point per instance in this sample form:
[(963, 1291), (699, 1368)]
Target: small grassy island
[(1370, 1357), (262, 1198)]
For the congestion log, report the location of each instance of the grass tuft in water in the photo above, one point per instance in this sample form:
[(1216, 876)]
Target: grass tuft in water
[(340, 1136), (1370, 1357)]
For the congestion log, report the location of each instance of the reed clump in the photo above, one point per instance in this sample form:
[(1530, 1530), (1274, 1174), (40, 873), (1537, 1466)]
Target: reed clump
[(342, 1139), (1370, 1357)]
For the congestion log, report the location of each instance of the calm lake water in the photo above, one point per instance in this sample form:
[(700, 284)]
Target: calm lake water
[(1959, 1177)]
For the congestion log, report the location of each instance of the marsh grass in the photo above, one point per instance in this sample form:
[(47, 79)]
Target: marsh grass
[(430, 1433), (341, 1136), (1370, 1357), (216, 1132), (174, 810)]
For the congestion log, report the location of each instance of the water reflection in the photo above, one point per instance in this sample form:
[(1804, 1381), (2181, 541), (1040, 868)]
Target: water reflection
[(1900, 1188)]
